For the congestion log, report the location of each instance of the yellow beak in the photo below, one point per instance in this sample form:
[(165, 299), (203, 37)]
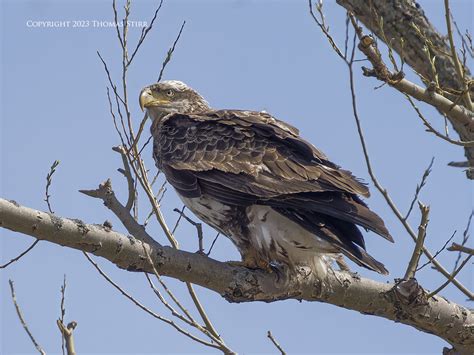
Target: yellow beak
[(146, 98)]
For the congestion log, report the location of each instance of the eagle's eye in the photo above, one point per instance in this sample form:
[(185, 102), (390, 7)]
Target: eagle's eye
[(170, 93)]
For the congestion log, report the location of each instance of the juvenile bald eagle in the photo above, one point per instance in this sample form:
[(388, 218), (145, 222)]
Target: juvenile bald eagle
[(254, 179)]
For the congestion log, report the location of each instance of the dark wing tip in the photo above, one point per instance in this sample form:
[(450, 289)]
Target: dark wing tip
[(364, 259)]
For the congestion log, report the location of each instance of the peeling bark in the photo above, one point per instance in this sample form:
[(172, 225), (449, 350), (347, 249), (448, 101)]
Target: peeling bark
[(405, 302)]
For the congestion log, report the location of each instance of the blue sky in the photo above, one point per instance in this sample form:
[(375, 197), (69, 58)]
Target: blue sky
[(238, 54)]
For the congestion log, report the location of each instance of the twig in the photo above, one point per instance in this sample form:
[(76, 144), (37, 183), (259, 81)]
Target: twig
[(212, 244), (49, 180), (280, 349), (456, 113), (63, 311), (461, 249), (454, 56), (114, 118), (451, 277), (127, 173), (415, 258), (146, 309), (190, 319), (437, 252), (419, 187), (114, 87), (20, 255), (170, 52), (67, 335), (22, 320), (466, 41), (198, 229), (465, 237), (431, 129), (322, 25), (179, 219), (144, 33), (106, 193)]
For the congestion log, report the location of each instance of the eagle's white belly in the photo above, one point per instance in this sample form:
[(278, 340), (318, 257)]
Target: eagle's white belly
[(292, 242), (271, 234)]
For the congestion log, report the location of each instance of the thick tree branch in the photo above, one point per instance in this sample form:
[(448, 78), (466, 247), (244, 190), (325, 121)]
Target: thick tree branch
[(408, 305), (398, 17)]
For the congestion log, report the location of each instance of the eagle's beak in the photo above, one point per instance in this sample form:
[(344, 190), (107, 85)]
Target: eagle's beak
[(146, 98)]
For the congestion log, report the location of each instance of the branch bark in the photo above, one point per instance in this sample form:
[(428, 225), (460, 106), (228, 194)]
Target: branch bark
[(405, 302), (398, 15)]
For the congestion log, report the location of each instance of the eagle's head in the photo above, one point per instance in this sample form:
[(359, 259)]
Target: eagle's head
[(171, 96)]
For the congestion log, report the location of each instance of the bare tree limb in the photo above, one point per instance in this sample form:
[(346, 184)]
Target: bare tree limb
[(273, 340), (22, 320), (22, 254), (415, 258), (401, 19), (461, 248), (170, 52), (63, 312), (67, 334), (146, 309), (49, 180), (419, 187), (450, 279), (454, 57), (238, 284), (374, 179)]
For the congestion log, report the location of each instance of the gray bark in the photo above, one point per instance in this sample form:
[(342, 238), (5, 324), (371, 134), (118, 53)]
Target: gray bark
[(405, 302), (397, 18)]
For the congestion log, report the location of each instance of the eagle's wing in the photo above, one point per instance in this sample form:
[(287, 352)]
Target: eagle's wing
[(244, 157)]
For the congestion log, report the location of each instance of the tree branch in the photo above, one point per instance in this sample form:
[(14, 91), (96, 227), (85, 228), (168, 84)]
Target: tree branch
[(398, 17), (238, 284)]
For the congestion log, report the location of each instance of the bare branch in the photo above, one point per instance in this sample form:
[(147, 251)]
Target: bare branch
[(401, 20), (67, 335), (22, 320), (146, 309), (49, 180), (461, 248), (324, 28), (238, 284), (465, 238), (419, 187), (189, 320), (106, 194), (273, 340), (454, 56), (415, 258), (439, 251), (22, 254), (212, 244), (144, 33), (63, 312), (451, 278), (127, 173), (170, 52), (198, 227), (431, 129), (374, 179)]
